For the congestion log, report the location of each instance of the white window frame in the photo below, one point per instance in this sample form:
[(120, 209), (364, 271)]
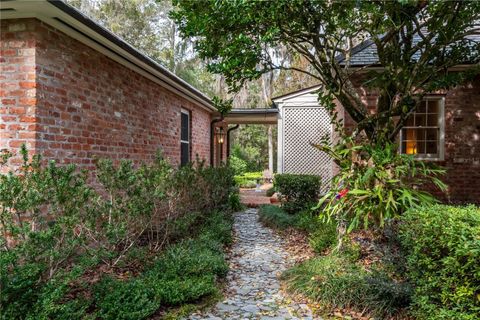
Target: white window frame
[(187, 113), (440, 155)]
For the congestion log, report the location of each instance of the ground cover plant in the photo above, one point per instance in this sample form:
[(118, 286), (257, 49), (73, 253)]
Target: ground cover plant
[(109, 246), (425, 265), (320, 233)]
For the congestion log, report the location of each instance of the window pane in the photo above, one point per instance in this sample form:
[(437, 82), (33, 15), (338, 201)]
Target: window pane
[(404, 147), (432, 120), (410, 121), (420, 147), (422, 108), (184, 153), (410, 134), (420, 120), (432, 147), (433, 106), (421, 134), (185, 128), (432, 134)]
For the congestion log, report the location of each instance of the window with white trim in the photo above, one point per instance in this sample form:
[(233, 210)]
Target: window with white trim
[(185, 138), (424, 132)]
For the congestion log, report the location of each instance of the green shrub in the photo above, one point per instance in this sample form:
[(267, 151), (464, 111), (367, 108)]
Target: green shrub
[(270, 192), (296, 191), (321, 234), (375, 183), (238, 165), (324, 237), (247, 184), (234, 202), (55, 224), (336, 282), (248, 179), (184, 273), (130, 299), (218, 226), (442, 244), (275, 217)]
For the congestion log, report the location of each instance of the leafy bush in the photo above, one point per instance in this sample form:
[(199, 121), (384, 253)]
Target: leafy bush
[(184, 273), (375, 183), (336, 282), (442, 244), (131, 299), (297, 192), (322, 234), (238, 165), (324, 237), (55, 223), (270, 192), (248, 184), (275, 217), (248, 179)]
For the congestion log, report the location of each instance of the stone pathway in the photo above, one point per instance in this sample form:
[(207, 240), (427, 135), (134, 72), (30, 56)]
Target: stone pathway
[(256, 261)]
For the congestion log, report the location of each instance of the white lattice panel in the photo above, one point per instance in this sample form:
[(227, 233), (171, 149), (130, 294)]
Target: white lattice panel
[(301, 127)]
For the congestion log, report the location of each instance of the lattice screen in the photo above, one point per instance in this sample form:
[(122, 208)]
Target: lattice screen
[(302, 126)]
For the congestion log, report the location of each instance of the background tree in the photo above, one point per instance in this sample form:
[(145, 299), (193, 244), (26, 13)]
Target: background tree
[(146, 25), (238, 38)]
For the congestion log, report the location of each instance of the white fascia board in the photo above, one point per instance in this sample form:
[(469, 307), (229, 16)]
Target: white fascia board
[(293, 95)]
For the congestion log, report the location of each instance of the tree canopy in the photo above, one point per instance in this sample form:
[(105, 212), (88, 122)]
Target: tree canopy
[(417, 44)]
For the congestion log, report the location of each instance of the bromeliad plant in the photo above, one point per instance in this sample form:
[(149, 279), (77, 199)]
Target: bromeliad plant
[(375, 184)]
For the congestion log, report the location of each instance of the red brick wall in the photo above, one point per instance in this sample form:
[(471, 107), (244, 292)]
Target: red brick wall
[(17, 86), (462, 141), (89, 106)]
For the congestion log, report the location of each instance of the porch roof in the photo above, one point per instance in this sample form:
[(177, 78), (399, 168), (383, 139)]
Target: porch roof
[(252, 116)]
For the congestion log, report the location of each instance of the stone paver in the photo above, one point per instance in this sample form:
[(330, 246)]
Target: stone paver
[(253, 289)]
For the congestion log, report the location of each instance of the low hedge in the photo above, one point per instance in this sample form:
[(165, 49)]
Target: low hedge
[(297, 191), (442, 246), (248, 179)]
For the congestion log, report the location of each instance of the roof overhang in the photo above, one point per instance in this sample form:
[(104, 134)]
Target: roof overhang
[(295, 94), (75, 24), (252, 116)]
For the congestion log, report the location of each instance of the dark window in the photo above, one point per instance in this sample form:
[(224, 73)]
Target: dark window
[(185, 138)]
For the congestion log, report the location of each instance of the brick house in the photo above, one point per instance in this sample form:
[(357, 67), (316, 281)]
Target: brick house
[(445, 130), (73, 91)]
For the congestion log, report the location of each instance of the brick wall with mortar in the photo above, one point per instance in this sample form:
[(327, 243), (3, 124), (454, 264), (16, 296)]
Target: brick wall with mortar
[(18, 123), (462, 141), (88, 106)]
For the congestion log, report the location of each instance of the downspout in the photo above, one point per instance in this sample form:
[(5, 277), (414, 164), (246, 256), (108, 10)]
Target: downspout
[(228, 138), (212, 139)]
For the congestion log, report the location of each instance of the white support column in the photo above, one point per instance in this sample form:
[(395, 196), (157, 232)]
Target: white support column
[(280, 139), (270, 149)]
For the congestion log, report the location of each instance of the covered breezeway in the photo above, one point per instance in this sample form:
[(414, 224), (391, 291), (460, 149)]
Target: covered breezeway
[(301, 121)]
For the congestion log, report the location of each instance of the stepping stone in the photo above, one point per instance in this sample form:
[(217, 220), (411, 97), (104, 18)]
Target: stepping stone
[(257, 258)]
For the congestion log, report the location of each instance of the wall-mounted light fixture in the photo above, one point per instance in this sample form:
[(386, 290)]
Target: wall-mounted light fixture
[(220, 135)]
